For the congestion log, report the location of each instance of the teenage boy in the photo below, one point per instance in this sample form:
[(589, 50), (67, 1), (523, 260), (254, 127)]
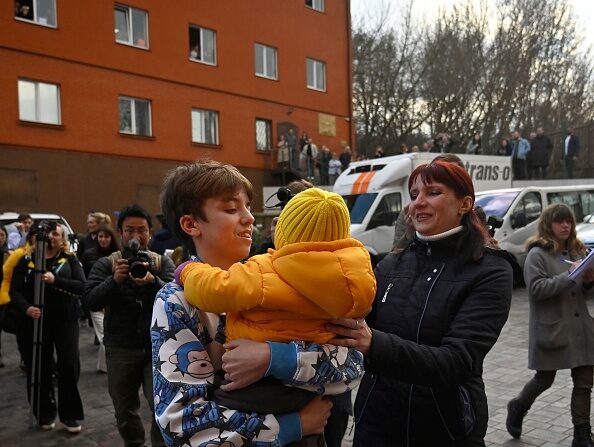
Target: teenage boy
[(207, 206)]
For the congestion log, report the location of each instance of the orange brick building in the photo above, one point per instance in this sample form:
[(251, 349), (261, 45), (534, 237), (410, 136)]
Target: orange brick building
[(99, 99)]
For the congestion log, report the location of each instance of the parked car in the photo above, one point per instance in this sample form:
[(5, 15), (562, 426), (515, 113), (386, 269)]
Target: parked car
[(8, 219), (585, 231)]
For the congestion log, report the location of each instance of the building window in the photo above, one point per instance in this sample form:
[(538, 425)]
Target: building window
[(203, 45), (266, 61), (316, 75), (318, 5), (205, 126), (135, 116), (263, 134), (42, 12), (131, 26), (39, 102)]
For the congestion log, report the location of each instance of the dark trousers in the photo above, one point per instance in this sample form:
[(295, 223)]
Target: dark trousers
[(519, 168), (537, 172), (569, 166), (580, 395), (338, 421), (63, 337), (269, 395), (127, 371)]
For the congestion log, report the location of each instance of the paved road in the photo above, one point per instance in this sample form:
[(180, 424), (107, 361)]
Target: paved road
[(548, 424)]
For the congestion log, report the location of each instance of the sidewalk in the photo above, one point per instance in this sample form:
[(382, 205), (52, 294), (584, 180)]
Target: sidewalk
[(548, 424)]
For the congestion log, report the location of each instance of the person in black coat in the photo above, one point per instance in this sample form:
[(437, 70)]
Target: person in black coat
[(64, 281), (440, 306), (541, 148), (571, 151)]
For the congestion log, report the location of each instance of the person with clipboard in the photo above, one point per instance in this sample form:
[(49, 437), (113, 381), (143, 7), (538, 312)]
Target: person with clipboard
[(561, 330)]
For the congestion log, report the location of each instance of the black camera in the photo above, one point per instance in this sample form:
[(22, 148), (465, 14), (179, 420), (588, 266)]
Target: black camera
[(137, 259)]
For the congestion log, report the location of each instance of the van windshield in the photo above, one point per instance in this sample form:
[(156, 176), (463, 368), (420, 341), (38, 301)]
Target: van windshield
[(359, 205), (496, 204)]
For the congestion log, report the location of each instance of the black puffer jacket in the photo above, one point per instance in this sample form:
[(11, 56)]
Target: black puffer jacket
[(128, 307), (433, 322)]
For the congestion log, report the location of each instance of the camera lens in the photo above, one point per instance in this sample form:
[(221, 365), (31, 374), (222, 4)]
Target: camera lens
[(138, 270)]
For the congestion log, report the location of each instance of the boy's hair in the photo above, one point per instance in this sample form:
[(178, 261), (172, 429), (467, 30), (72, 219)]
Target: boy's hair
[(23, 217), (186, 187), (134, 211)]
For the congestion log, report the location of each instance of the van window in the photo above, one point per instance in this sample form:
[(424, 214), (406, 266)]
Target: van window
[(387, 211), (496, 204), (359, 205), (569, 198), (530, 205)]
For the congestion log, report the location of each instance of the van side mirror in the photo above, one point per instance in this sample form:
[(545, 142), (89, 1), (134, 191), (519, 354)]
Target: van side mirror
[(495, 221), (518, 219)]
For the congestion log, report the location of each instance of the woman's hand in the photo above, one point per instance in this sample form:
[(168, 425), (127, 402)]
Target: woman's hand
[(244, 363), (33, 312), (48, 277), (314, 416), (354, 334)]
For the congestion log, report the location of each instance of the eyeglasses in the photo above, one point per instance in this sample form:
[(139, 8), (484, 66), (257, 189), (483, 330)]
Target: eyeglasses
[(141, 231)]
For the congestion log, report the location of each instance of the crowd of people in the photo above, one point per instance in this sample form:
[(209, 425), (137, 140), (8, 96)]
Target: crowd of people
[(267, 351)]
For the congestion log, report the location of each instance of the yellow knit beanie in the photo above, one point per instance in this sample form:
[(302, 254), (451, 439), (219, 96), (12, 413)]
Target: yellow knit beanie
[(313, 215)]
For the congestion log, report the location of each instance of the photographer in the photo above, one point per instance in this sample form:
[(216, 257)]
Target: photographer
[(125, 284), (64, 281)]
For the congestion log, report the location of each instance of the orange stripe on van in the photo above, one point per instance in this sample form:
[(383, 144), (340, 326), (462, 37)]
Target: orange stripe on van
[(362, 183)]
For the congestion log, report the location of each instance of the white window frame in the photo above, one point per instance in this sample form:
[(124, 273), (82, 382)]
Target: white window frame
[(37, 106), (317, 5), (315, 85), (202, 29), (37, 19), (268, 124), (263, 49), (128, 10), (200, 136), (134, 130)]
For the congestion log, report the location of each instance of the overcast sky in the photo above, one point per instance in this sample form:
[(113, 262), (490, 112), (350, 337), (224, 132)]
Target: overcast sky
[(583, 10)]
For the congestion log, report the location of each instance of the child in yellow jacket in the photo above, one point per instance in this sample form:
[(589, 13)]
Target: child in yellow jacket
[(317, 273)]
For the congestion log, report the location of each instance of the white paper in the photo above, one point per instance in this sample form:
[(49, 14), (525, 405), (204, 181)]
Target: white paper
[(586, 262)]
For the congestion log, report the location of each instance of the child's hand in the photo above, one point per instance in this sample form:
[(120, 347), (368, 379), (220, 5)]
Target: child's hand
[(178, 272), (244, 363)]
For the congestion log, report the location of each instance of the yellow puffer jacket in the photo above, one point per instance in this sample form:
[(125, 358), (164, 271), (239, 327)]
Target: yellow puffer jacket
[(7, 270), (287, 294)]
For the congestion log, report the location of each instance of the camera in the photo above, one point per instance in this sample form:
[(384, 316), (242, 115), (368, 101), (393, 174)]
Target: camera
[(137, 259)]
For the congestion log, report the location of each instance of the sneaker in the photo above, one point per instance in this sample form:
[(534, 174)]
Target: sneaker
[(47, 425), (72, 426)]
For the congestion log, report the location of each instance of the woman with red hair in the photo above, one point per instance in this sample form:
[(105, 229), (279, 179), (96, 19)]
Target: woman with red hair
[(440, 306)]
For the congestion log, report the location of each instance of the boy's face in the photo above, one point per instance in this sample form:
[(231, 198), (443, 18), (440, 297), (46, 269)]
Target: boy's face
[(226, 236)]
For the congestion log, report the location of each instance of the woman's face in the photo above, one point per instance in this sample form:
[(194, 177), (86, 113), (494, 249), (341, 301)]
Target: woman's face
[(562, 230), (2, 238), (92, 224), (435, 208), (104, 239), (56, 237)]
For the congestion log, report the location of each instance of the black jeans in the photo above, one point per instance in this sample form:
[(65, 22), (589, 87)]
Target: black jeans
[(63, 337), (127, 371), (580, 395)]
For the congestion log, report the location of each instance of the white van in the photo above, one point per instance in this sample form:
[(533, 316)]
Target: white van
[(376, 190), (514, 212)]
